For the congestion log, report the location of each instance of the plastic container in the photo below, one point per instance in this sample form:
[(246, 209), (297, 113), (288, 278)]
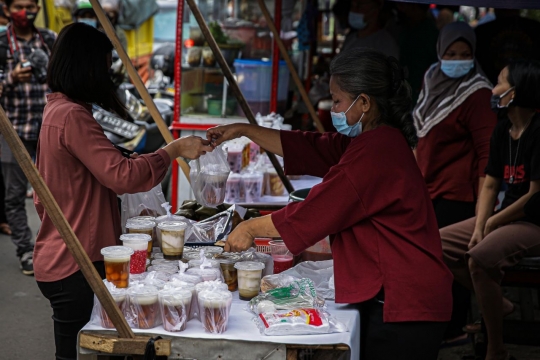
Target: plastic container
[(139, 244), (232, 194), (119, 297), (207, 274), (140, 226), (197, 263), (255, 79), (117, 260), (175, 306), (283, 258), (165, 218), (172, 239), (230, 273), (213, 250), (253, 186), (214, 309), (249, 278), (144, 311)]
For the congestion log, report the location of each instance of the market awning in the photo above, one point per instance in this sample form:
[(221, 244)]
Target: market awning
[(505, 4)]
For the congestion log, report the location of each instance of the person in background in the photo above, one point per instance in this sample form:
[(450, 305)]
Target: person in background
[(454, 124), (84, 13), (480, 249), (508, 37), (4, 21), (84, 173), (112, 9), (367, 30), (341, 11), (417, 41), (23, 99)]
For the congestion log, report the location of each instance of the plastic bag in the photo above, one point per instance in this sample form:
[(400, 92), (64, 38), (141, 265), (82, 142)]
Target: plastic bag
[(168, 217), (214, 310), (194, 308), (142, 204), (299, 294), (182, 276), (306, 321), (99, 317), (143, 310), (275, 281), (209, 176), (175, 307), (318, 271)]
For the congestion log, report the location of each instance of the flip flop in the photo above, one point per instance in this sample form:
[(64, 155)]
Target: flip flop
[(5, 229), (474, 328)]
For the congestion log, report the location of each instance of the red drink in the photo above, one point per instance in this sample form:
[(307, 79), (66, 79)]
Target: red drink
[(138, 262), (282, 263)]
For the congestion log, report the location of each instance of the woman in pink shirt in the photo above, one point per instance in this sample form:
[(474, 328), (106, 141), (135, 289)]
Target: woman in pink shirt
[(85, 173)]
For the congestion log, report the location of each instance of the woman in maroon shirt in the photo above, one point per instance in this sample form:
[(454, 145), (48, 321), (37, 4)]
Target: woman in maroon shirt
[(372, 201), (85, 173)]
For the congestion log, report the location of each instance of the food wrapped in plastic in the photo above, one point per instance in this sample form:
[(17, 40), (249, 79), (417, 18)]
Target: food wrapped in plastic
[(210, 285), (299, 294), (275, 281), (182, 276), (214, 309), (303, 321), (196, 255), (207, 274), (99, 316), (143, 310), (209, 176), (194, 309), (163, 268), (198, 262), (321, 272), (266, 259), (175, 306), (173, 263), (157, 279)]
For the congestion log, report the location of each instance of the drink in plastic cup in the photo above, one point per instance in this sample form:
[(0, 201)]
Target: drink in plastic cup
[(283, 259), (172, 239), (230, 274), (175, 308), (142, 227), (198, 262), (119, 297), (249, 278), (165, 218), (232, 194), (139, 244), (207, 274), (144, 306), (117, 260), (253, 184), (214, 308)]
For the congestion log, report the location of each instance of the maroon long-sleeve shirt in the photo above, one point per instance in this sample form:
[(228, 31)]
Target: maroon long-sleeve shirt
[(84, 173), (374, 202)]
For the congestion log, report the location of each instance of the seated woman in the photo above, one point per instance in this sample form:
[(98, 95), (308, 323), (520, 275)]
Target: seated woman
[(479, 250), (372, 201)]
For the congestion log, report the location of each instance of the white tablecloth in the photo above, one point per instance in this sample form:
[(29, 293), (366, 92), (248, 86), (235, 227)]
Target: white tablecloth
[(241, 327)]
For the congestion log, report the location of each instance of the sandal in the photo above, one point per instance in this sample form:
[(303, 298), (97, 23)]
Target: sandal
[(5, 229), (474, 328), (460, 340)]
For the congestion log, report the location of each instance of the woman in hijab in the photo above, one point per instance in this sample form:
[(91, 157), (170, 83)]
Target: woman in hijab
[(454, 123)]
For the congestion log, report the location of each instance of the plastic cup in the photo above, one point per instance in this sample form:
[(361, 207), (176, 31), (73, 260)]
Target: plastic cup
[(135, 226), (207, 274), (214, 309), (166, 218), (144, 306), (195, 255), (230, 273), (212, 188), (232, 193), (119, 297), (117, 260), (213, 250), (283, 259), (175, 308), (198, 262), (172, 239), (139, 244), (249, 278), (253, 187)]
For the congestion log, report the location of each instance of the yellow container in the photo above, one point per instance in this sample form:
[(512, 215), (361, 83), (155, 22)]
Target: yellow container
[(140, 41)]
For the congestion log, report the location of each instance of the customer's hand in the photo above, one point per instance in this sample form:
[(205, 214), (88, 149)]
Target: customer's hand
[(477, 236), (21, 75), (240, 239), (219, 134), (189, 147)]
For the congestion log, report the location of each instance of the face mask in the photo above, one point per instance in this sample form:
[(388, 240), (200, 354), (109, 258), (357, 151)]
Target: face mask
[(456, 68), (23, 19), (91, 22), (340, 122), (495, 102), (356, 20), (3, 28)]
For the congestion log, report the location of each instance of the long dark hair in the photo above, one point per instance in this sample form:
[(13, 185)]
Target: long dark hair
[(524, 75), (78, 67), (358, 71)]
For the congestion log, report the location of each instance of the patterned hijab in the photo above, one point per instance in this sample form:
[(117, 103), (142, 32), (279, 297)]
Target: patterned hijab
[(441, 94)]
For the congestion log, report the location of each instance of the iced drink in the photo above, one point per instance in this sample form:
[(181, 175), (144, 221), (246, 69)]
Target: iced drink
[(165, 218), (283, 259), (232, 194), (230, 274), (214, 308), (234, 157), (142, 227), (117, 260), (144, 306), (119, 297), (253, 187), (139, 244), (212, 188), (172, 239), (249, 278), (175, 308)]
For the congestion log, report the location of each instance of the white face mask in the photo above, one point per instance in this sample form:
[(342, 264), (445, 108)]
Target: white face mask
[(340, 122)]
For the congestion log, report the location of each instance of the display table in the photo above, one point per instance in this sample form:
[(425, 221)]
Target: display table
[(242, 340)]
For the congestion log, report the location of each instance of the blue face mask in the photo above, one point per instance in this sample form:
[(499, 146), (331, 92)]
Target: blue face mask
[(91, 22), (356, 20), (340, 122), (3, 28), (456, 68)]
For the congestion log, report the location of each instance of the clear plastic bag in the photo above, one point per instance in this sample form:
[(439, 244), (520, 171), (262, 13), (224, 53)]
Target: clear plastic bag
[(320, 272), (194, 308), (142, 204), (99, 317), (175, 307), (143, 310), (209, 176), (214, 310), (304, 321), (299, 294), (275, 281)]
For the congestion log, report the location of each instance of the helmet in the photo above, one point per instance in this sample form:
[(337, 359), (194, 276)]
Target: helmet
[(81, 7), (163, 59)]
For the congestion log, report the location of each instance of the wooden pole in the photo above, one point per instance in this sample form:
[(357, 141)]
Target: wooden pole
[(290, 65), (63, 227), (137, 81), (234, 85)]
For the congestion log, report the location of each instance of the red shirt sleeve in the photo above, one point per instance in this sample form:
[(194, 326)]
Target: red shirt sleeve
[(86, 141), (480, 120), (312, 153)]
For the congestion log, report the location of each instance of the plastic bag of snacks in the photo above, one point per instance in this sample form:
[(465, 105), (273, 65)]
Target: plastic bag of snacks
[(303, 321), (209, 176), (99, 317), (299, 294), (275, 281), (175, 306), (214, 309), (142, 204), (143, 311)]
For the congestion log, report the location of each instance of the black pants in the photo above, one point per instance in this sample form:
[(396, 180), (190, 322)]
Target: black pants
[(3, 218), (391, 341), (72, 300), (449, 212)]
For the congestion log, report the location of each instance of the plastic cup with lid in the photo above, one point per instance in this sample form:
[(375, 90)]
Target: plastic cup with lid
[(137, 226), (249, 278), (119, 297), (198, 262), (172, 239), (175, 306), (139, 244), (144, 307), (214, 309), (230, 273), (117, 259), (166, 218)]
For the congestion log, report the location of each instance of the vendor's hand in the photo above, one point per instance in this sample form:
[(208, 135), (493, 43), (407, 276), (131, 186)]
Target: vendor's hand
[(477, 236), (134, 155), (21, 75), (240, 239), (189, 147), (219, 134)]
